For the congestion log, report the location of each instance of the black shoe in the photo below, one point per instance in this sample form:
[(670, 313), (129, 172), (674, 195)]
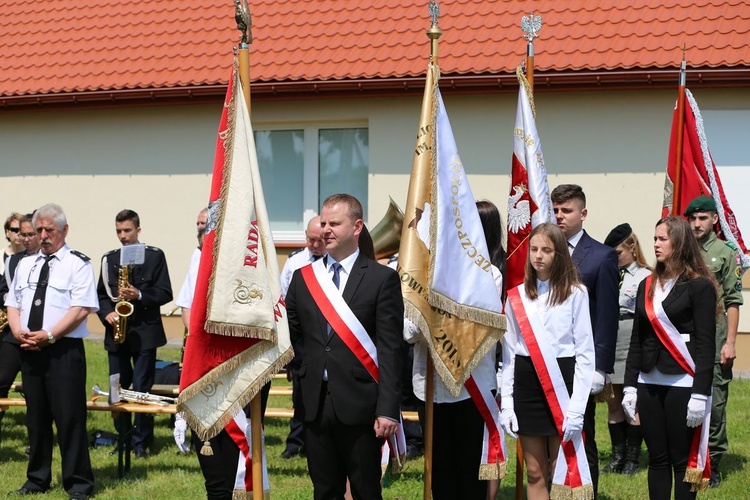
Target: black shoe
[(141, 453), (413, 451), (618, 460), (715, 480), (632, 456), (23, 490), (78, 496), (290, 452)]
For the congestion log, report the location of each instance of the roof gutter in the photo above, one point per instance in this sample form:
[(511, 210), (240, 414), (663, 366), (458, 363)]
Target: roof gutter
[(389, 87)]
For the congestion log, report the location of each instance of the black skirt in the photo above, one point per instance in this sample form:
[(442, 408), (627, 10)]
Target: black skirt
[(532, 411)]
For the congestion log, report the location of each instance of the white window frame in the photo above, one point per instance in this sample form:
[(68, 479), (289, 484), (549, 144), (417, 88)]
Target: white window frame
[(310, 170)]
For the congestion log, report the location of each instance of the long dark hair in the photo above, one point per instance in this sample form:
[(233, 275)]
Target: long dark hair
[(493, 233), (685, 259), (563, 276)]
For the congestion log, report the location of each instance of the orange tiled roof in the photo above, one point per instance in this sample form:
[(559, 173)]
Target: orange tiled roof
[(79, 46)]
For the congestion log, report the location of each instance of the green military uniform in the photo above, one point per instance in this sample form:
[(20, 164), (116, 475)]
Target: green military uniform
[(723, 260)]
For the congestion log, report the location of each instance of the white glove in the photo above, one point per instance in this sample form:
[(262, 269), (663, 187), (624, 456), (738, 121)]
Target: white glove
[(509, 422), (598, 383), (572, 425), (180, 428), (696, 410), (629, 400)]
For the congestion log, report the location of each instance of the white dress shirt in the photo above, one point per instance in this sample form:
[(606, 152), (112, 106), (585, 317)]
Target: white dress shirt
[(185, 297), (573, 241), (71, 283), (295, 261), (567, 331)]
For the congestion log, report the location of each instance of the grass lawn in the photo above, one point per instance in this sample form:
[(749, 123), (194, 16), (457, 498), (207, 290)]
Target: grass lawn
[(166, 474)]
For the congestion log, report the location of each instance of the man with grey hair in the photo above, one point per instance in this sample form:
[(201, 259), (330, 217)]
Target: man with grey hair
[(50, 297)]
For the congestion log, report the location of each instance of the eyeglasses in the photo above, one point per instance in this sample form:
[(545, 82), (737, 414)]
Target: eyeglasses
[(14, 229), (28, 235)]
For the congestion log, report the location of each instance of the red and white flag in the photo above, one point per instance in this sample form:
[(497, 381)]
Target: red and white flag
[(239, 336), (529, 202), (698, 176), (239, 430)]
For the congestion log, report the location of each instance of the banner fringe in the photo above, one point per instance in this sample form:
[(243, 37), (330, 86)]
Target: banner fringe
[(244, 331), (493, 471), (468, 313), (244, 357), (561, 492), (206, 449), (695, 477)]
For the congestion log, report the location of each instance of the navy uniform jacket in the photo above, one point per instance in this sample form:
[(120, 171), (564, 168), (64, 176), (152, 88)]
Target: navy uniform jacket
[(597, 266), (691, 307), (145, 329), (373, 292)]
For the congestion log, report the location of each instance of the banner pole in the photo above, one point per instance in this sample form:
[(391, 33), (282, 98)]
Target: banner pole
[(680, 136), (244, 24)]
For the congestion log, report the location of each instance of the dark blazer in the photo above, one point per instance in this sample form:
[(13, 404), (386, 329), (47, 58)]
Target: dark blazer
[(145, 329), (373, 293), (597, 266), (10, 270), (691, 307)]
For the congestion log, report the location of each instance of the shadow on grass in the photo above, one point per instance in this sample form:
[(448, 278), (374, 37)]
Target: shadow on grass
[(732, 463)]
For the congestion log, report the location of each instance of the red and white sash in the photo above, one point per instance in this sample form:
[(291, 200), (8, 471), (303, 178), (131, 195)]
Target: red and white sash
[(493, 464), (572, 475), (339, 315), (239, 430), (698, 470)]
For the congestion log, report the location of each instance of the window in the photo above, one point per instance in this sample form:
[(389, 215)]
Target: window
[(301, 167)]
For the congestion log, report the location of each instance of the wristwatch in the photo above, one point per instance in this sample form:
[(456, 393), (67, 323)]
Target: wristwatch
[(50, 337)]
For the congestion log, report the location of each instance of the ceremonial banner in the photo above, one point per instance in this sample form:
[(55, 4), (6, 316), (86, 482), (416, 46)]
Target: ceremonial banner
[(698, 176), (529, 201), (239, 336), (446, 277)]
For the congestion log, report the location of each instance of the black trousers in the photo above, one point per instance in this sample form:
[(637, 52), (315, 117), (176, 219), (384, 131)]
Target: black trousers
[(220, 469), (458, 429), (296, 438), (141, 375), (589, 443), (54, 380), (10, 365), (663, 411), (336, 451)]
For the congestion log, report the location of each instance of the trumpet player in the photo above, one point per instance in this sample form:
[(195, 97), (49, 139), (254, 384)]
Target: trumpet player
[(131, 338)]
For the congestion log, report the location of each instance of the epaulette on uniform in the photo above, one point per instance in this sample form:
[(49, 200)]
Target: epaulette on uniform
[(80, 255), (111, 251), (295, 252), (731, 245), (153, 249)]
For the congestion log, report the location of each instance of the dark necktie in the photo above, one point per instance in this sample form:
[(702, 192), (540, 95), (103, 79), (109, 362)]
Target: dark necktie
[(36, 313), (336, 281), (622, 278)]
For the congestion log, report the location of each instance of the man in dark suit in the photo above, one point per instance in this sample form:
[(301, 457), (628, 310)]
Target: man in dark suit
[(597, 266), (347, 413), (148, 289)]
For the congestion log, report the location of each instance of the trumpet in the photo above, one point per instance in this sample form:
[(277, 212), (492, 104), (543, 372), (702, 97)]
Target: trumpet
[(123, 308), (132, 397)]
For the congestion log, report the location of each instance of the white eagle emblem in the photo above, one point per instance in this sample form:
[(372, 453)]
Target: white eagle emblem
[(519, 212)]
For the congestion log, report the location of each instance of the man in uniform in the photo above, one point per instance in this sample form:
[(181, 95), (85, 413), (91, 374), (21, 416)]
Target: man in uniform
[(724, 261), (351, 401), (148, 289), (50, 298), (315, 249), (597, 266), (200, 223)]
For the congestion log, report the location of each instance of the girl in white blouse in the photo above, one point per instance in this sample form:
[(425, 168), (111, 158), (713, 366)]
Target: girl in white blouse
[(553, 294)]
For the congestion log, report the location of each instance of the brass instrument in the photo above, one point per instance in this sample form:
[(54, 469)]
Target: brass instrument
[(132, 397), (123, 308), (3, 319), (386, 236)]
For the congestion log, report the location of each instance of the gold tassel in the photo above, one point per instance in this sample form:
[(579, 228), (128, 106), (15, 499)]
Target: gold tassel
[(605, 395), (206, 450), (502, 469), (585, 492), (488, 472)]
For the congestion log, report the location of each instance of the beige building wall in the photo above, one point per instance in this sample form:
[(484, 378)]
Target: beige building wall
[(157, 159)]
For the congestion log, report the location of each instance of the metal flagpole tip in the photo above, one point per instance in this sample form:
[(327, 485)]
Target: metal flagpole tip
[(244, 21), (434, 9), (531, 25)]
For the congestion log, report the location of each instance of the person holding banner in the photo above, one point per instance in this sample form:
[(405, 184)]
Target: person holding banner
[(458, 425), (548, 367), (670, 365), (626, 436), (348, 311)]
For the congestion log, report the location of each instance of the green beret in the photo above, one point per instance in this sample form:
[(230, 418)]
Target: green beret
[(700, 204), (618, 235)]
